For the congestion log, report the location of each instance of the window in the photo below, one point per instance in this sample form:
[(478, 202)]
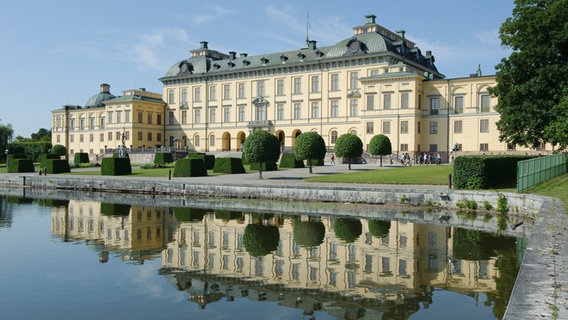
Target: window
[(260, 88), (102, 122), (212, 93), (241, 114), (71, 138), (483, 147), (241, 88), (140, 117), (315, 84), (118, 136), (404, 126), (353, 80), (72, 122), (149, 118), (419, 102), (81, 137), (297, 110), (386, 127), (280, 87), (315, 110), (458, 104), (183, 95), (433, 148), (434, 105), (158, 137), (82, 122), (101, 137), (171, 117), (484, 125), (404, 100), (484, 101), (353, 107), (297, 88), (386, 101), (458, 126), (280, 111), (109, 136), (149, 136), (197, 94), (434, 127), (196, 140), (213, 115), (371, 102), (226, 114), (418, 127), (334, 82), (159, 119), (227, 91), (127, 135), (333, 136), (184, 117), (404, 147), (212, 140), (260, 112), (334, 112), (92, 123), (375, 72), (139, 136), (171, 96), (370, 127), (197, 116)]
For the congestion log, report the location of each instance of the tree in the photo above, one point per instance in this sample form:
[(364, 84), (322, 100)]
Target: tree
[(348, 145), (380, 145), (59, 150), (530, 82), (259, 240), (261, 146), (308, 146), (42, 135), (309, 233), (347, 229), (6, 133)]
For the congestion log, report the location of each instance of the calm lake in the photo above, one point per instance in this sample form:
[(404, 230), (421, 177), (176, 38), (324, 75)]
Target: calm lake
[(84, 259)]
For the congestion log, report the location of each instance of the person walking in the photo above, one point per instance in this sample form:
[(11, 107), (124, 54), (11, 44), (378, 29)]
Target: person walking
[(332, 158)]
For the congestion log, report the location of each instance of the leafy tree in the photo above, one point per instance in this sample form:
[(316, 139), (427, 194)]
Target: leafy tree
[(59, 150), (261, 146), (348, 145), (6, 133), (380, 145), (531, 82), (379, 228), (308, 146), (42, 135)]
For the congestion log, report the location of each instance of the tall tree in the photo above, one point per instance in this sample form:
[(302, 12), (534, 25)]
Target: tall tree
[(261, 146), (348, 145), (380, 145), (42, 135), (531, 81), (308, 146), (6, 133)]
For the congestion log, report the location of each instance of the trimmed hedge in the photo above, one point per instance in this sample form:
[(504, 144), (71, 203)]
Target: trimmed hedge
[(32, 149), (288, 160), (484, 172), (209, 159), (244, 159), (57, 166), (116, 167), (80, 158), (185, 214), (19, 163), (163, 158), (115, 209), (229, 166), (266, 166), (47, 156), (190, 168), (317, 162)]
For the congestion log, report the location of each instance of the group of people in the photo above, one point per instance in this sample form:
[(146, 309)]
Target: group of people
[(422, 158)]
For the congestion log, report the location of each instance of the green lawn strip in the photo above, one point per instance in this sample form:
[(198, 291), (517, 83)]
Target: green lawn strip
[(556, 187), (430, 174)]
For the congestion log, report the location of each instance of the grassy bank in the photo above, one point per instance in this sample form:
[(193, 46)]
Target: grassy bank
[(557, 188), (431, 174)]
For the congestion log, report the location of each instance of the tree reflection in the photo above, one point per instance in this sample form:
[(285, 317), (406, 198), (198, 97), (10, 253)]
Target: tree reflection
[(379, 228), (347, 229), (309, 233), (260, 240)]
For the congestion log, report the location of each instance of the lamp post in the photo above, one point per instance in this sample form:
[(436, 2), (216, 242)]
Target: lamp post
[(6, 153)]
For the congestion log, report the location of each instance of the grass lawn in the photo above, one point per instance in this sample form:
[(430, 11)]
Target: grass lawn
[(431, 174), (557, 188)]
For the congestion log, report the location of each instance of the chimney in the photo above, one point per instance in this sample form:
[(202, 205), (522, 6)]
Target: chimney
[(203, 44), (428, 54), (370, 19), (401, 33), (232, 55), (244, 55), (105, 88), (312, 44)]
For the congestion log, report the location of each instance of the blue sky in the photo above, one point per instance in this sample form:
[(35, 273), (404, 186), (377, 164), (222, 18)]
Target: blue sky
[(58, 52)]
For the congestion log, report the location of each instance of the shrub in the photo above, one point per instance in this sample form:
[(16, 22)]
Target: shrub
[(47, 156), (502, 203), (190, 168), (163, 158), (80, 158), (59, 150), (317, 162), (32, 149), (379, 228), (266, 166), (380, 145), (487, 205), (115, 209), (57, 166), (229, 166), (347, 229), (484, 172), (309, 233), (260, 240), (244, 159), (208, 159), (116, 166), (288, 160), (348, 146), (19, 163)]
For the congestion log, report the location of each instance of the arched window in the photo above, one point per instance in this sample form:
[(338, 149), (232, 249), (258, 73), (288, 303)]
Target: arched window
[(333, 136), (353, 132), (196, 140), (212, 140)]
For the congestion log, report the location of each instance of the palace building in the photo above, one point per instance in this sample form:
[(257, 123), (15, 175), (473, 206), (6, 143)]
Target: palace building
[(375, 82)]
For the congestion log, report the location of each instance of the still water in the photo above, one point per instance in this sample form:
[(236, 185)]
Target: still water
[(83, 259)]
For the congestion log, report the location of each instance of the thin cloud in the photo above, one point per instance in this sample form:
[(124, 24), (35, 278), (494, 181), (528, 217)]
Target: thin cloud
[(148, 49), (488, 37), (214, 13)]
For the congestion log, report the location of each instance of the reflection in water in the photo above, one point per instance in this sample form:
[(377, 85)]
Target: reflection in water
[(349, 268)]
